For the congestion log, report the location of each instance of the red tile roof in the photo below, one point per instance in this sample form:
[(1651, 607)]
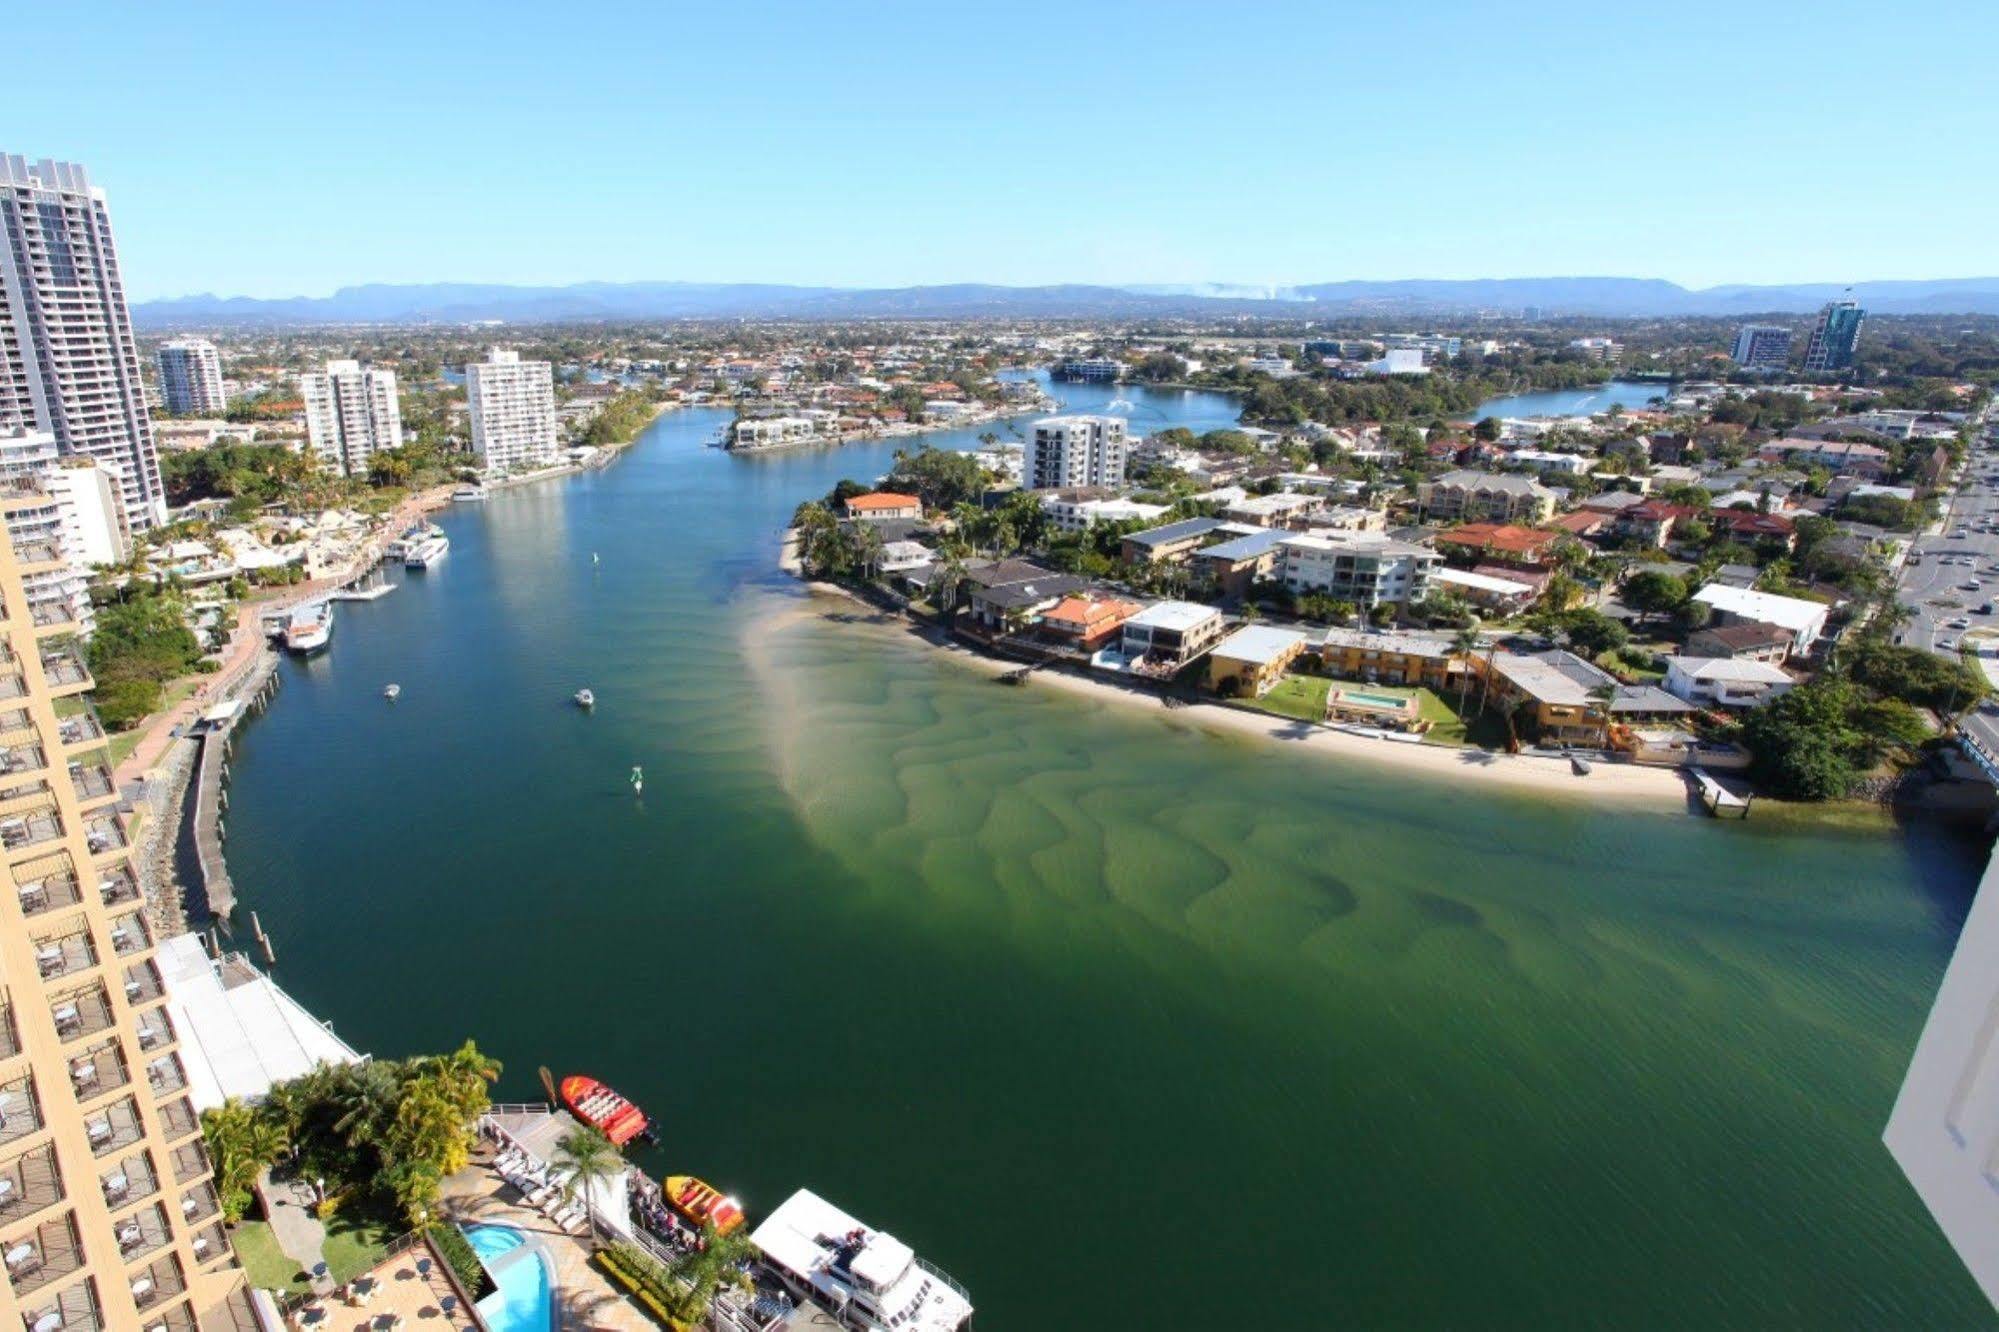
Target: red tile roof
[(883, 499)]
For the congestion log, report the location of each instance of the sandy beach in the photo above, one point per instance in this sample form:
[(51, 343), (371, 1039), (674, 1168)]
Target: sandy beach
[(1625, 784)]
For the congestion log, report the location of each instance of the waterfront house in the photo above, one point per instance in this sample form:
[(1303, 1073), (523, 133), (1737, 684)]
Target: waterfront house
[(1499, 543), (1086, 622), (884, 504), (1747, 641), (1164, 637), (1803, 620), (1386, 657), (1558, 687), (1251, 660), (1726, 682), (1506, 595), (1231, 567), (1009, 595)]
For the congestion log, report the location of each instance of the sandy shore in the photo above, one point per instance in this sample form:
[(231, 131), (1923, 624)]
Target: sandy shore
[(1627, 784)]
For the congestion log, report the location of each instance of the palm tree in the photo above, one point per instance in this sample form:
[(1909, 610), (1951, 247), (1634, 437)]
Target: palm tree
[(366, 1099), (717, 1260), (588, 1156), (1464, 644), (1603, 696), (944, 585)]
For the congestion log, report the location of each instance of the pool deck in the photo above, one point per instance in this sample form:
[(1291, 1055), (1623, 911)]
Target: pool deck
[(585, 1299), (399, 1290)]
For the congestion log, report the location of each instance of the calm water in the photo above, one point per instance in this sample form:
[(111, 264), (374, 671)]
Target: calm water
[(1124, 1024), (1573, 402)]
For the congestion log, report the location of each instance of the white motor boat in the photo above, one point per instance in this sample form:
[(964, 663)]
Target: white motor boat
[(585, 699), (864, 1278)]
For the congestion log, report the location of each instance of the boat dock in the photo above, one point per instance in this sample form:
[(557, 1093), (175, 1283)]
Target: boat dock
[(216, 732), (1717, 799)]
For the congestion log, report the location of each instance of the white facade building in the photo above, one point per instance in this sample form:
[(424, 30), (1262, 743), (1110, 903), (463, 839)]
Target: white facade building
[(41, 520), (1068, 451), (69, 364), (1762, 347), (191, 378), (1729, 682), (350, 414), (512, 405), (1365, 568)]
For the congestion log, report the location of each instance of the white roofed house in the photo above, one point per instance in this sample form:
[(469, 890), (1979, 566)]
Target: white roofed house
[(1727, 682), (1803, 620), (1164, 637)]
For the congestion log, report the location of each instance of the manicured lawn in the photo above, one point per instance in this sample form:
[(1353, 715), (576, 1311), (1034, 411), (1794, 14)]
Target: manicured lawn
[(264, 1262), (1446, 727), (354, 1244), (1301, 696)]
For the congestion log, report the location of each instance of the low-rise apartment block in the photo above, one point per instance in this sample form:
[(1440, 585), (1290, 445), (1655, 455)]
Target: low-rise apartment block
[(1468, 496), (1364, 568)]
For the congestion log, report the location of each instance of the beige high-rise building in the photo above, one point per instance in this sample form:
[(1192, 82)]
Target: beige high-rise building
[(109, 1218)]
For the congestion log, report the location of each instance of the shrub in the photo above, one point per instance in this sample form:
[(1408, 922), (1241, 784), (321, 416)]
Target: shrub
[(456, 1250)]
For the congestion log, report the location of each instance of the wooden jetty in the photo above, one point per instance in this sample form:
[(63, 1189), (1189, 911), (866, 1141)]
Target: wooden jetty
[(215, 734), (1717, 799)]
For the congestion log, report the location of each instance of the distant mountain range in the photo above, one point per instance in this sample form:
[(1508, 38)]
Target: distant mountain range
[(460, 302)]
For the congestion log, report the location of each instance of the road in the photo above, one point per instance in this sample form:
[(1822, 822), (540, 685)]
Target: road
[(1936, 581)]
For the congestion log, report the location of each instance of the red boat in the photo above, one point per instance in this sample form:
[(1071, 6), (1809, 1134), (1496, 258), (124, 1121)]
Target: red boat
[(603, 1109)]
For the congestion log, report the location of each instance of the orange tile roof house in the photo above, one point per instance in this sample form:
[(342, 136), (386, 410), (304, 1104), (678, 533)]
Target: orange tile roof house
[(1087, 621), (1501, 542), (884, 504)]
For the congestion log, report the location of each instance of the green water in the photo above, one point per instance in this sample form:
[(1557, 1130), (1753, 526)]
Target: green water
[(1122, 1023)]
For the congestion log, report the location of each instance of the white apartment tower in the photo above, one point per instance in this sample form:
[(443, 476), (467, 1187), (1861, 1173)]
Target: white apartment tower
[(191, 378), (1762, 347), (1069, 451), (512, 404), (68, 362), (350, 412), (72, 516)]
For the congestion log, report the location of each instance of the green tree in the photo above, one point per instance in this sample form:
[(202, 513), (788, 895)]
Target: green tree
[(588, 1156)]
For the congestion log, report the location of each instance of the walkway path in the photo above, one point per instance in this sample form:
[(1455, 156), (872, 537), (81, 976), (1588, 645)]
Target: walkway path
[(298, 1232)]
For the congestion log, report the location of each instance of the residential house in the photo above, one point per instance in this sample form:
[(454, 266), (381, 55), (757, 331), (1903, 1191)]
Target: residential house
[(1557, 685), (1164, 637), (1385, 657), (1086, 622), (1501, 543), (1007, 596), (1803, 620), (1725, 681), (1466, 496), (1501, 594), (1233, 566), (1866, 460), (1174, 542), (1251, 660), (882, 504), (1747, 641), (1282, 509), (1081, 508)]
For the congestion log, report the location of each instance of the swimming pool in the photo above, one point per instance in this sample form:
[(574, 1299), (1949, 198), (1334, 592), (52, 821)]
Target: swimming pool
[(522, 1303), (1388, 702)]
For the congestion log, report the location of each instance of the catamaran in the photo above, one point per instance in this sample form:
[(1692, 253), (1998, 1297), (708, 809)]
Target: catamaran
[(864, 1278), (425, 547), (310, 628)]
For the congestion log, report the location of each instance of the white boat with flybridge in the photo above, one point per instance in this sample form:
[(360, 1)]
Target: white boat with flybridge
[(309, 628), (468, 494), (584, 699), (866, 1279), (424, 547)]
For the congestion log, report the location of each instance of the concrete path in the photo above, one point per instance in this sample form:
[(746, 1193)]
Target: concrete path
[(298, 1232)]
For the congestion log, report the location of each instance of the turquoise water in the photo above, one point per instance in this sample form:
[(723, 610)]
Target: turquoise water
[(1031, 981), (1573, 402), (523, 1302)]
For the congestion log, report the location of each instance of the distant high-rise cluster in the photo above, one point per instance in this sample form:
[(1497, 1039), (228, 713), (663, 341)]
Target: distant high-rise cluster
[(69, 364), (1076, 451), (1762, 347), (350, 414), (512, 405), (1834, 338), (191, 378)]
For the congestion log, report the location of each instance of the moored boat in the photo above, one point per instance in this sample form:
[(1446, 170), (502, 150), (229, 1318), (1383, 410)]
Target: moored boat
[(604, 1110), (392, 692), (309, 628), (864, 1278), (584, 699), (702, 1204), (424, 547)]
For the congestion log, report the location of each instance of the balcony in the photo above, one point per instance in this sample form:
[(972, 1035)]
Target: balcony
[(79, 728), (129, 934), (82, 1012), (66, 955), (10, 1031), (13, 685), (159, 1283), (210, 1244), (199, 1203), (92, 782), (166, 1075), (14, 720), (178, 1119), (190, 1163), (180, 1318), (38, 555), (21, 759), (52, 615), (114, 1128), (21, 831), (105, 833), (99, 1071), (142, 984), (20, 1109), (75, 1309), (55, 887), (65, 672), (144, 1232), (131, 1180), (156, 1030), (29, 1183), (49, 1252), (118, 885)]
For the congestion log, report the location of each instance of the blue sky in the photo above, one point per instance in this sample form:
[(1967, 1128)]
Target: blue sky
[(279, 150)]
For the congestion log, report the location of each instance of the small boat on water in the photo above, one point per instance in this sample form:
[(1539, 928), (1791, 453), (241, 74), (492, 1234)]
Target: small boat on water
[(702, 1204), (468, 494), (392, 692), (309, 628), (638, 780), (425, 546), (584, 699), (1578, 766), (604, 1110)]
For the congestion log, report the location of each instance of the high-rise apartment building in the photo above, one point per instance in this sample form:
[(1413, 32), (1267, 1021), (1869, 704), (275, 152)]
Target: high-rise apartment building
[(109, 1217), (512, 404), (1762, 347), (68, 362), (53, 507), (1069, 451), (1834, 338), (191, 378), (350, 412)]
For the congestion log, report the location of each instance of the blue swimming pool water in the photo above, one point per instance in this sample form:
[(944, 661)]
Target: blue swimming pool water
[(522, 1303)]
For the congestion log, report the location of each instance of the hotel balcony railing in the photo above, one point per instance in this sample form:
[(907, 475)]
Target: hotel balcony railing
[(13, 685), (20, 1109), (82, 1012), (99, 1071), (199, 1203), (16, 759), (29, 1183), (156, 1030), (79, 728), (69, 955), (52, 615), (180, 1318), (118, 885), (113, 1128), (92, 782), (166, 1075), (37, 552), (65, 671), (144, 1232), (190, 1163), (179, 1120), (210, 1244), (129, 934), (50, 1251), (75, 1308), (20, 831), (16, 719), (105, 833), (156, 1285), (57, 888), (142, 983), (10, 1031), (131, 1180)]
